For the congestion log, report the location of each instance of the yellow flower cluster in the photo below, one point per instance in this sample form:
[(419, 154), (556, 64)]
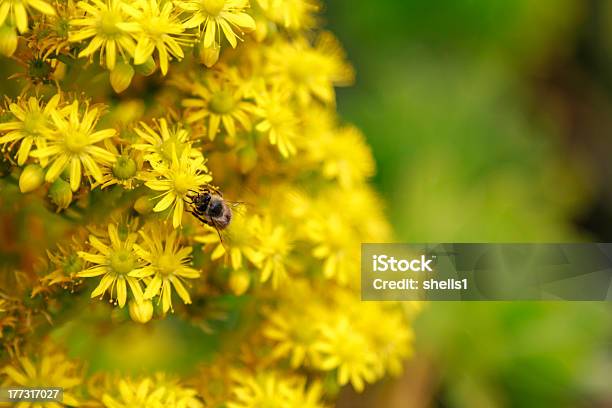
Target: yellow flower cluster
[(240, 121)]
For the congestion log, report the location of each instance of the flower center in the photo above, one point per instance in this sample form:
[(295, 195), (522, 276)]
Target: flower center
[(108, 24), (167, 264), (76, 140), (154, 27), (121, 262), (299, 71), (213, 7), (222, 102), (181, 184), (33, 122)]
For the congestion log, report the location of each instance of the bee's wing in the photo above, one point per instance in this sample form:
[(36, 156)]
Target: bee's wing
[(239, 207), (221, 238)]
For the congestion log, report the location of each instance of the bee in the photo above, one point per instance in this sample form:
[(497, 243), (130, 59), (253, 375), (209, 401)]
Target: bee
[(208, 206)]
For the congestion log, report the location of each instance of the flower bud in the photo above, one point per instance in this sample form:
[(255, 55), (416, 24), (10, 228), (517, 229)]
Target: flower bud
[(121, 76), (60, 193), (8, 40), (124, 168), (147, 68), (144, 205), (239, 281), (141, 312), (209, 56), (31, 178)]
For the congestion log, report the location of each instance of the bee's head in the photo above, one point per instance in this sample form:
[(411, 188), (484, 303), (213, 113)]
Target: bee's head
[(201, 201)]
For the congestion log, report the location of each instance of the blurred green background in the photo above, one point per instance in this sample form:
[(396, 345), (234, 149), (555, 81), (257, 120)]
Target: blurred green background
[(490, 120)]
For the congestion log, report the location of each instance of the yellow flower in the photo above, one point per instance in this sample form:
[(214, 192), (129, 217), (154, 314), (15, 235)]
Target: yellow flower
[(307, 71), (294, 329), (348, 351), (116, 260), (156, 392), (159, 145), (166, 262), (373, 228), (216, 17), (18, 10), (293, 14), (275, 246), (274, 390), (52, 369), (344, 156), (240, 241), (222, 101), (32, 127), (392, 337), (127, 169), (159, 28), (278, 121), (107, 23), (73, 144), (176, 181), (334, 243)]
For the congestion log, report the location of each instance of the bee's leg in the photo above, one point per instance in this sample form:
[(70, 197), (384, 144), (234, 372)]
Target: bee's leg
[(199, 217), (211, 189), (214, 225)]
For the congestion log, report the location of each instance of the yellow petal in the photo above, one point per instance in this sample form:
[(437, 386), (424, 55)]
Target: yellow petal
[(15, 375), (91, 272), (143, 50), (166, 296), (153, 288), (96, 259), (21, 17), (165, 202), (75, 174), (105, 282), (209, 35), (178, 213), (121, 291), (242, 20), (136, 289), (182, 292), (42, 7), (56, 168)]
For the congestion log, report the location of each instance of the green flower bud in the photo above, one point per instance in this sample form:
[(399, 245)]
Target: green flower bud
[(31, 178), (124, 168), (239, 282), (144, 205), (141, 312), (121, 76), (147, 68), (60, 193), (8, 40)]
